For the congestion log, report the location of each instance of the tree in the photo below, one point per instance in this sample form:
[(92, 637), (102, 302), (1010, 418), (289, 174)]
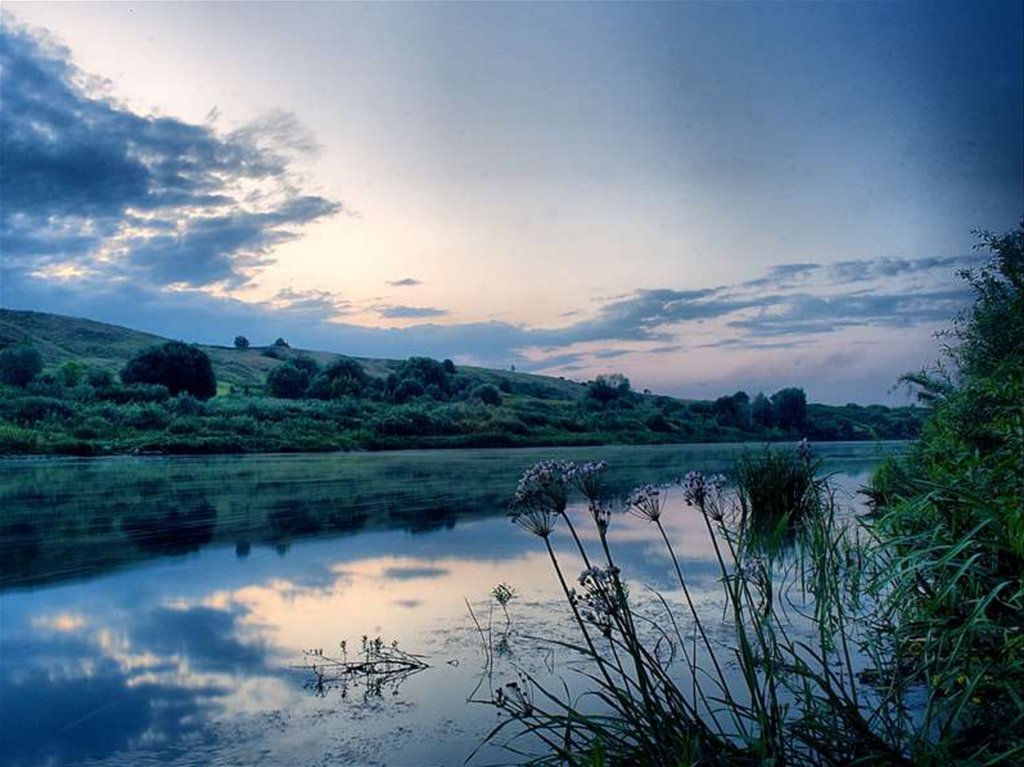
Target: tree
[(425, 372), (790, 407), (280, 342), (606, 388), (19, 365), (179, 366), (241, 342), (449, 367), (761, 411), (287, 381), (342, 378)]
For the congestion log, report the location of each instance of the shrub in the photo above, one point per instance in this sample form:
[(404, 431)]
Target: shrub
[(176, 365), (241, 342), (342, 378), (19, 365), (487, 394), (287, 381)]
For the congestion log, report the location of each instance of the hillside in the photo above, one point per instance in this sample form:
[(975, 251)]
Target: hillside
[(61, 339), (77, 405)]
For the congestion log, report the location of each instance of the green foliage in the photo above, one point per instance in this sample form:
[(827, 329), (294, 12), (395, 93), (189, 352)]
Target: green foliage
[(176, 365), (487, 394), (19, 365), (954, 510), (241, 342), (342, 378), (287, 381), (789, 408), (609, 388), (761, 411), (776, 489)]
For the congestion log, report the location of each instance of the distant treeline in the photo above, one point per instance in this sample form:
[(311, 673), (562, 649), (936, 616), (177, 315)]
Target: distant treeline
[(165, 401)]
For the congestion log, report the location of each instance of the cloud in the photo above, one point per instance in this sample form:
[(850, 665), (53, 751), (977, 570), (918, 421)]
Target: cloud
[(409, 312), (405, 282), (91, 187), (321, 303)]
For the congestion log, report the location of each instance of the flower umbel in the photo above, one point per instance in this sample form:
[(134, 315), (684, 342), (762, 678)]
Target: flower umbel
[(703, 492), (602, 599), (647, 502), (586, 477)]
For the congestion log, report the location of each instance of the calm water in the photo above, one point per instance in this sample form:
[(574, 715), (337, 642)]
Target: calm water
[(154, 609)]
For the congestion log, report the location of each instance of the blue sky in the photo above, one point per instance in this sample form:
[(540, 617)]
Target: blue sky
[(704, 196)]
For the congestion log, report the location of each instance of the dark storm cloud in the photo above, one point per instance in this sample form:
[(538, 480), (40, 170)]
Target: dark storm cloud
[(83, 173)]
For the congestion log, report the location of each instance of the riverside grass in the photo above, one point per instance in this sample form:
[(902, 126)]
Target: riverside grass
[(815, 667)]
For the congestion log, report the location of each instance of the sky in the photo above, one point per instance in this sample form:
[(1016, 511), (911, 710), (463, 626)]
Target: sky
[(704, 196)]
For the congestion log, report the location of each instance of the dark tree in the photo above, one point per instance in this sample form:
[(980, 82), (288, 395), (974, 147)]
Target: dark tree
[(282, 343), (179, 366), (449, 367), (287, 381), (790, 407), (241, 342), (761, 411), (342, 378), (426, 372), (19, 365), (606, 388)]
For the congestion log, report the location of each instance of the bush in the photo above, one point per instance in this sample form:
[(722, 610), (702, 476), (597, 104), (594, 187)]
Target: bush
[(487, 394), (287, 381), (241, 342), (176, 365), (342, 378), (19, 365)]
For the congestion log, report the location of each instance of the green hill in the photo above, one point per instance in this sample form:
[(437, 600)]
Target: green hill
[(61, 339), (76, 404)]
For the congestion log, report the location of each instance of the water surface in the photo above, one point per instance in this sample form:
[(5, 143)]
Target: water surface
[(154, 609)]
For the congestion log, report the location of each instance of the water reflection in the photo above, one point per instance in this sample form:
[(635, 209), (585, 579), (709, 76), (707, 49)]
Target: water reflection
[(186, 656)]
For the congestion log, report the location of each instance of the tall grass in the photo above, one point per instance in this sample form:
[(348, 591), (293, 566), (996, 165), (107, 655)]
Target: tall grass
[(814, 668)]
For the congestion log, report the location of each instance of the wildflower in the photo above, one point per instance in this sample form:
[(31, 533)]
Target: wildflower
[(602, 516), (586, 477), (695, 489), (539, 522), (544, 487), (704, 492), (647, 502), (603, 597)]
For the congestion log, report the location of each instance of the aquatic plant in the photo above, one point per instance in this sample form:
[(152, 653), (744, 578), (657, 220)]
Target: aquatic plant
[(809, 670), (376, 667)]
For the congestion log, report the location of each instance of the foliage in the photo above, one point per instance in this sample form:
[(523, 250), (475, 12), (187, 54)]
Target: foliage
[(19, 365), (287, 381), (176, 365), (342, 378), (789, 408), (607, 388), (241, 342), (487, 394), (955, 508)]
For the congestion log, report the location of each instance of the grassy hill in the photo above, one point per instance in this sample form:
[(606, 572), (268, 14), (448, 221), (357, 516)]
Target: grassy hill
[(61, 339), (77, 405)]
